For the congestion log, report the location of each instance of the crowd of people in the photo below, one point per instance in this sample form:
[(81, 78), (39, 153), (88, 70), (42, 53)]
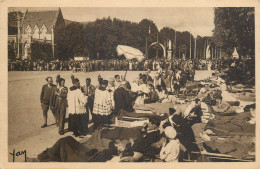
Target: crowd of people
[(109, 65), (239, 70), (113, 99)]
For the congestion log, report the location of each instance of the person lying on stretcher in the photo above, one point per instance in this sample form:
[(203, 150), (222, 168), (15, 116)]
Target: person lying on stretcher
[(225, 108)]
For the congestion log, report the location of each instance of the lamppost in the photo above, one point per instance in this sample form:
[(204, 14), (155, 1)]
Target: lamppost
[(157, 46), (146, 44), (195, 46)]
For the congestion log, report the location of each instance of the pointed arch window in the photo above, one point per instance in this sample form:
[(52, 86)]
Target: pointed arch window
[(43, 31), (28, 31), (36, 32)]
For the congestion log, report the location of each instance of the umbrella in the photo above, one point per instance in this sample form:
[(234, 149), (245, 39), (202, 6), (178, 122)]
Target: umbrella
[(129, 52)]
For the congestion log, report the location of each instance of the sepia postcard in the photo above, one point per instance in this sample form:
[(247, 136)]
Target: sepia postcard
[(129, 84)]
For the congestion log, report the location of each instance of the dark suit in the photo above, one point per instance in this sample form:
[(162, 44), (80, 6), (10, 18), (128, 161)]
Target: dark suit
[(90, 92), (46, 98), (185, 133)]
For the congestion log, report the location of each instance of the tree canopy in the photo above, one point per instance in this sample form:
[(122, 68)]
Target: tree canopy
[(235, 28)]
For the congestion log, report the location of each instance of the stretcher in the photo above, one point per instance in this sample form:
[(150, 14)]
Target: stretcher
[(131, 122), (217, 157)]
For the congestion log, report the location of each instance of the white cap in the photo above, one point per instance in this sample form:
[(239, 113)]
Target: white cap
[(170, 132)]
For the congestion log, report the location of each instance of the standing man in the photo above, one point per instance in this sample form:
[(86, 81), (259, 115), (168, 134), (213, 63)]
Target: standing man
[(117, 81), (89, 90), (61, 104), (45, 99), (166, 81)]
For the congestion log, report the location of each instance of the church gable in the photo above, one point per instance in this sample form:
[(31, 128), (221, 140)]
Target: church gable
[(40, 18)]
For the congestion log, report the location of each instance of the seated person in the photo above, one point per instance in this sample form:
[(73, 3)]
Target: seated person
[(176, 87), (123, 98), (152, 95), (210, 100), (143, 91), (194, 112), (163, 95), (184, 132), (171, 148), (142, 146)]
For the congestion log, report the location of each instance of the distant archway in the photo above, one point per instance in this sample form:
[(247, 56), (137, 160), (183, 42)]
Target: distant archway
[(155, 43)]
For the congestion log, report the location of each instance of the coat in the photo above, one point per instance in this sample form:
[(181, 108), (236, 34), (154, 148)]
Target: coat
[(76, 101), (170, 151), (47, 98), (90, 92)]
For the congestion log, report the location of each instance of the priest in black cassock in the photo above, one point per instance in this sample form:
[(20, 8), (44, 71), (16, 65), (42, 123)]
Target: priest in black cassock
[(123, 98)]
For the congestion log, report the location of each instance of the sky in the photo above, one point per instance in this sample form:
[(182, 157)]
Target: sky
[(197, 20)]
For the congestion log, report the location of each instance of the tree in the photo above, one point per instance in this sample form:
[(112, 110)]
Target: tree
[(69, 41), (144, 26), (234, 27), (11, 51), (99, 39)]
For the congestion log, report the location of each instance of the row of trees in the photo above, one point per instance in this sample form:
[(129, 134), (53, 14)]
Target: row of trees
[(234, 28), (98, 39)]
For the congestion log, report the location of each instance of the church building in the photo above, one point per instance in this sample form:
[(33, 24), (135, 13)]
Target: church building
[(40, 27)]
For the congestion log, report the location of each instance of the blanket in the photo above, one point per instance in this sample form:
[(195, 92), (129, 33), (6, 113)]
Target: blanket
[(238, 147), (231, 125)]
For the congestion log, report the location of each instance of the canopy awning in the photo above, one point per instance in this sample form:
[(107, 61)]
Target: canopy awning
[(130, 53)]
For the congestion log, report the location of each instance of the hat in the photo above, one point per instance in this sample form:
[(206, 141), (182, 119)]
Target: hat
[(172, 111), (170, 132)]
